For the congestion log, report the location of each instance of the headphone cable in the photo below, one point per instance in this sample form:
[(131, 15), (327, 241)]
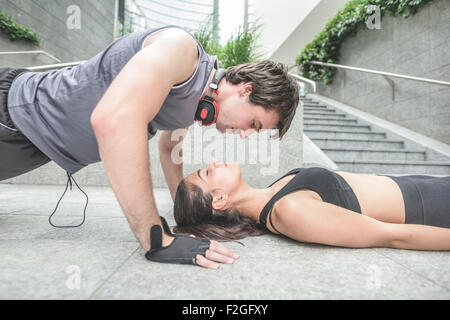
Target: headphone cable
[(69, 181)]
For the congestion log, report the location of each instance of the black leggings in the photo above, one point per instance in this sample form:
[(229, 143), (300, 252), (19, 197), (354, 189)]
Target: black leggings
[(427, 199)]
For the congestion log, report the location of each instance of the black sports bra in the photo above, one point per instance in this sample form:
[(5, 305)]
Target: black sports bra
[(331, 187)]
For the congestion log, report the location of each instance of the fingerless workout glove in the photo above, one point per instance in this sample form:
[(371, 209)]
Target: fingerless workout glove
[(182, 250)]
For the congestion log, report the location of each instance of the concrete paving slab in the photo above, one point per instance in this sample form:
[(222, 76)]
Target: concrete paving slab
[(41, 262), (270, 268), (42, 200), (37, 228), (58, 269), (431, 265)]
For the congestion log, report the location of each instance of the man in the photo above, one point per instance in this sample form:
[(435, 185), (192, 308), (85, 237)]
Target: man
[(106, 109)]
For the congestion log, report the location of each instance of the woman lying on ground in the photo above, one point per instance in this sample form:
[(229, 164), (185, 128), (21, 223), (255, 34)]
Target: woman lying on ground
[(319, 206)]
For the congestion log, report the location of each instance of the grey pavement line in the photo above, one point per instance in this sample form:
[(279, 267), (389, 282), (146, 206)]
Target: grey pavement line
[(94, 292), (70, 240), (413, 271), (47, 215), (10, 213)]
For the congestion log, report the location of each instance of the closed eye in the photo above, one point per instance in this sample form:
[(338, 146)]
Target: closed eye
[(254, 127)]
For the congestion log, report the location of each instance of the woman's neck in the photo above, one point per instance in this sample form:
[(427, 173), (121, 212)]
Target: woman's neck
[(250, 201)]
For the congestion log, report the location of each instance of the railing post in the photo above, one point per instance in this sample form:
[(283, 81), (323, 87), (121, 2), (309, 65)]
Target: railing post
[(116, 18), (392, 84)]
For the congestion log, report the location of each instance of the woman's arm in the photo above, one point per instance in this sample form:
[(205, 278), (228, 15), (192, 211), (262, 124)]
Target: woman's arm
[(309, 220), (421, 237)]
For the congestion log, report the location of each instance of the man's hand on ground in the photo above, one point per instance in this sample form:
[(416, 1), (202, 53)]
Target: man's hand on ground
[(181, 248), (216, 254)]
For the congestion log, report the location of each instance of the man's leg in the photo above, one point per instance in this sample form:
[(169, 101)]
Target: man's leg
[(17, 154)]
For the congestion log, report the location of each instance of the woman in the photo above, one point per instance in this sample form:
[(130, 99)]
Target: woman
[(318, 205)]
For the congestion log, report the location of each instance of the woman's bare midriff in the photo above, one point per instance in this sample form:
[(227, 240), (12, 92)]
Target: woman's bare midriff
[(379, 197)]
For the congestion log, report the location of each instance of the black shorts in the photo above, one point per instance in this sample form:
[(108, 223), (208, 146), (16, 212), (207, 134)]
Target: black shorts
[(427, 199), (17, 154)]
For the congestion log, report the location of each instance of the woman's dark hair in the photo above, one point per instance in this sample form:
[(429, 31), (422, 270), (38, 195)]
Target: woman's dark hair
[(272, 88), (195, 215)]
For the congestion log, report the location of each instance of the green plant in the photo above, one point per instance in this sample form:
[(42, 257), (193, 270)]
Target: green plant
[(240, 48), (347, 22), (16, 31), (205, 35)]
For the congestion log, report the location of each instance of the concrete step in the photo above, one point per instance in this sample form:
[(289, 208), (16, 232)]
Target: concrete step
[(323, 110), (338, 127), (325, 120), (354, 147), (324, 114), (326, 117), (311, 103), (349, 154), (398, 167), (359, 143), (313, 107), (328, 134)]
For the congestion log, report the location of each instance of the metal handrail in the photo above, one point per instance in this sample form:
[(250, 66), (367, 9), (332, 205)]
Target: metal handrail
[(383, 73), (303, 79), (69, 64), (54, 66), (31, 52)]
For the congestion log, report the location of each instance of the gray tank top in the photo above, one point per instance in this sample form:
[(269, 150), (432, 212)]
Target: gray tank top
[(52, 109)]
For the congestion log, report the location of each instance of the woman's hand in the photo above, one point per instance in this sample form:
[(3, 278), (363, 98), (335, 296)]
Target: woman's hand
[(216, 254)]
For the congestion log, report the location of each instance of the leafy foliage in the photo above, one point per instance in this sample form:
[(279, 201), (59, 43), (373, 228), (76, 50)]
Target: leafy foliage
[(16, 31), (347, 22), (240, 48), (205, 35)]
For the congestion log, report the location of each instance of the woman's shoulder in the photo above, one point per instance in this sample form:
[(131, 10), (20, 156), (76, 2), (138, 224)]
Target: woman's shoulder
[(288, 208), (293, 201)]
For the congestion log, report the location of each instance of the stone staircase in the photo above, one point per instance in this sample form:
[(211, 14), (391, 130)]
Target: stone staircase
[(356, 145)]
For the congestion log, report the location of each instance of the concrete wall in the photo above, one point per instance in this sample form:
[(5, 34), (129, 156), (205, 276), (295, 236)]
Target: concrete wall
[(416, 46), (49, 20), (305, 31), (280, 20)]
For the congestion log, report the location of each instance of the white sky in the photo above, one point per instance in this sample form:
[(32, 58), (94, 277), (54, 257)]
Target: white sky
[(231, 17)]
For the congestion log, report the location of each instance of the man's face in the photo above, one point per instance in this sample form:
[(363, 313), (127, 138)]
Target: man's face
[(238, 116)]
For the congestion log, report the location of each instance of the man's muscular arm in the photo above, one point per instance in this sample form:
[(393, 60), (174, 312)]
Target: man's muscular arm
[(120, 124)]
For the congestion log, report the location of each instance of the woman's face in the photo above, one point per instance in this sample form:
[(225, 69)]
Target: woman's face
[(223, 177)]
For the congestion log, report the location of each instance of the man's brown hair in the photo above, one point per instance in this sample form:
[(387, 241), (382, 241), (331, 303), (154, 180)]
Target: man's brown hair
[(272, 88)]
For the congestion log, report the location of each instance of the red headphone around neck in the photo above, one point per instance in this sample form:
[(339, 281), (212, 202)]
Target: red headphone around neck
[(208, 109)]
